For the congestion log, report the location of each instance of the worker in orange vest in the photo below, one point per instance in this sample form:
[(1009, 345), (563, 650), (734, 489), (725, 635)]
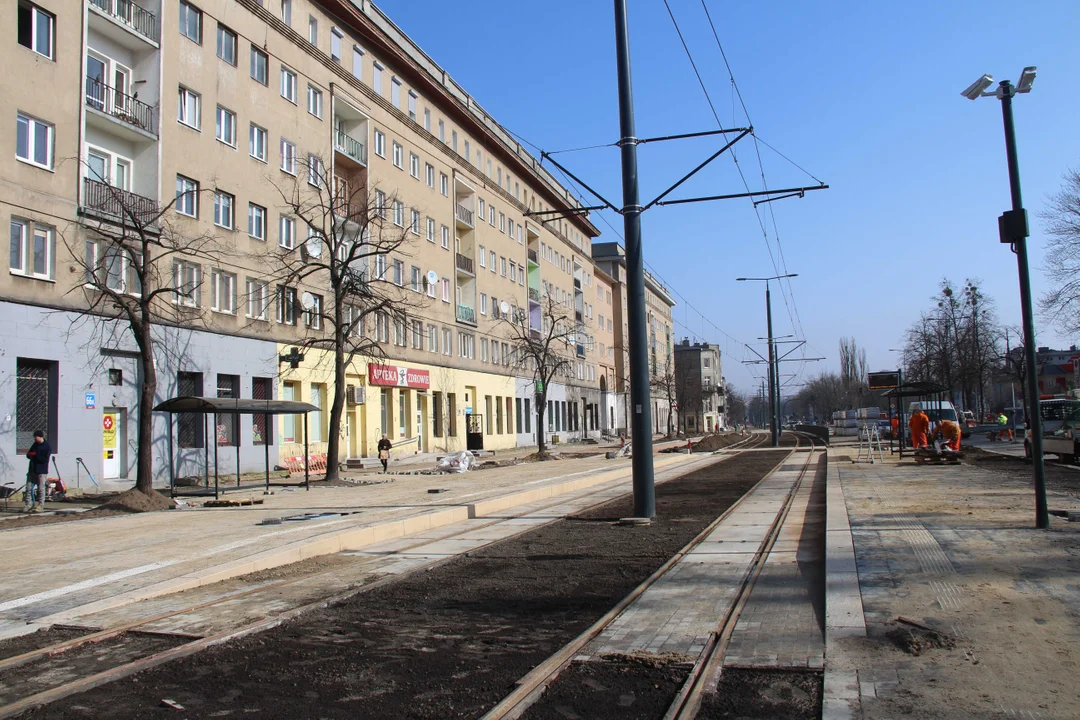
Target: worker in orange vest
[(894, 423), (919, 424), (950, 432)]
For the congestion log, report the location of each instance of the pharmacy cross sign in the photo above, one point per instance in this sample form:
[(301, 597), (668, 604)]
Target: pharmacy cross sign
[(294, 357)]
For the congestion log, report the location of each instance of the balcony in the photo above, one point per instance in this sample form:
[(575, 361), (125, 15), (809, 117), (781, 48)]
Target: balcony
[(463, 215), (466, 314), (534, 334), (104, 200), (465, 264), (120, 106), (577, 283), (533, 257), (138, 19), (534, 295), (351, 147)]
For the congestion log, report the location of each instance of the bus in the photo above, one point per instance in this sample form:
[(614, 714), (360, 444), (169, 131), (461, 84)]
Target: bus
[(1060, 422)]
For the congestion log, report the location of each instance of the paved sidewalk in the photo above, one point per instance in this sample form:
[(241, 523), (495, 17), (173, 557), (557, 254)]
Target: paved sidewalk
[(954, 549), (54, 573)]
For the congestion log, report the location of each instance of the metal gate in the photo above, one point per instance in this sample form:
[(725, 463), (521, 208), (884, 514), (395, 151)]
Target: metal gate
[(31, 402), (474, 432)]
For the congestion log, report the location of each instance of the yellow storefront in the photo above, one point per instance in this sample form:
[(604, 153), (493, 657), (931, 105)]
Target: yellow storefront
[(421, 408)]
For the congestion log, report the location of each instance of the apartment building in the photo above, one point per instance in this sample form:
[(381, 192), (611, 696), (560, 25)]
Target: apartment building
[(699, 385), (610, 257), (228, 112)]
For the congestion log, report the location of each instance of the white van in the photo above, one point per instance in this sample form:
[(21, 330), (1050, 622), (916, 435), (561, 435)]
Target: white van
[(936, 411)]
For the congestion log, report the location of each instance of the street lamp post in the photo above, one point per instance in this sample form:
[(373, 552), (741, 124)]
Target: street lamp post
[(1013, 229), (774, 379)]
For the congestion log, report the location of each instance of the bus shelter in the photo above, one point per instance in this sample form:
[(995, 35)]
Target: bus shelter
[(207, 406), (927, 393)]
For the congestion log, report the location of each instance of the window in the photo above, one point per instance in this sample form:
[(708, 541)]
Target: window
[(228, 426), (191, 21), (380, 203), (453, 139), (312, 30), (447, 342), (287, 232), (399, 272), (313, 314), (444, 185), (286, 11), (445, 238), (188, 108), (445, 291), (186, 279), (257, 221), (34, 141), (223, 209), (414, 279), (189, 426), (483, 303), (257, 142), (380, 143), (491, 215), (417, 335), (32, 249), (288, 84), (398, 156), (314, 101), (395, 92), (286, 305), (481, 213), (442, 131), (483, 349), (260, 66), (288, 157), (36, 29), (482, 255), (358, 62), (412, 105), (376, 77), (466, 150), (187, 196), (502, 266), (427, 119), (117, 268), (414, 165), (429, 175), (502, 222), (399, 213), (226, 44), (466, 345), (314, 170), (258, 299), (513, 271), (223, 292), (431, 230), (335, 44), (433, 340), (262, 432), (492, 263), (401, 332), (495, 352), (225, 126)]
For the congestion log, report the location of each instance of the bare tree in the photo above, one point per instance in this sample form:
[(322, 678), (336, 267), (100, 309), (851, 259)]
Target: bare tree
[(1061, 304), (735, 405), (543, 346), (345, 251), (664, 383), (141, 272)]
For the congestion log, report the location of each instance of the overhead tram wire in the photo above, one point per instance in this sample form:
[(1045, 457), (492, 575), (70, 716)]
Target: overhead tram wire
[(765, 234)]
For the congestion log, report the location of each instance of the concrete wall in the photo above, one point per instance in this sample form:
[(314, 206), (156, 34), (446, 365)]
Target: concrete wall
[(75, 345)]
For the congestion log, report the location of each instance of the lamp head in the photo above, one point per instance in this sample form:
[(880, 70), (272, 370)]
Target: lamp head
[(1027, 79), (976, 89), (740, 279)]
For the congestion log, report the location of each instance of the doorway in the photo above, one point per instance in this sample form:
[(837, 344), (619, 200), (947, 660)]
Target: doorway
[(113, 442), (421, 410)]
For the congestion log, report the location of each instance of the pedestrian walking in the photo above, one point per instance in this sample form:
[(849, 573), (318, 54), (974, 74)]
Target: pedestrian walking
[(39, 454), (384, 452)]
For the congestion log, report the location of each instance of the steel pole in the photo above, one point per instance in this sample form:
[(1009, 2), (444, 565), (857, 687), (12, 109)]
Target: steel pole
[(641, 415), (1042, 517), (773, 429)]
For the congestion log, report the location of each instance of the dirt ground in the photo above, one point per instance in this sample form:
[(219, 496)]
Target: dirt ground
[(37, 640), (1008, 618), (718, 441), (446, 643), (747, 693)]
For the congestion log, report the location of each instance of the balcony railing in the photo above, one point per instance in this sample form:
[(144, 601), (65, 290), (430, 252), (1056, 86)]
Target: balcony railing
[(534, 295), (463, 214), (121, 106), (351, 147), (534, 334), (465, 264), (135, 17), (104, 199), (466, 314), (533, 257)]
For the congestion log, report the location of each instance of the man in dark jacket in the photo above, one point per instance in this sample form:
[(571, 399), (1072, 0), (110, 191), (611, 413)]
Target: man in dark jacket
[(39, 454)]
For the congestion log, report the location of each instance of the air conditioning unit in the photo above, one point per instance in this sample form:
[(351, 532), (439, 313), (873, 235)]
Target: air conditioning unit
[(358, 394)]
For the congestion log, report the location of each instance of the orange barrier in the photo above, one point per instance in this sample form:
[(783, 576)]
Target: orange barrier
[(315, 464)]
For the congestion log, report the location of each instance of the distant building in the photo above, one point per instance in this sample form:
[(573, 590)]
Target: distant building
[(699, 385)]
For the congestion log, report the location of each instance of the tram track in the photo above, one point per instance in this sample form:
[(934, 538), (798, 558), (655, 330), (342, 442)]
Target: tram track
[(112, 642)]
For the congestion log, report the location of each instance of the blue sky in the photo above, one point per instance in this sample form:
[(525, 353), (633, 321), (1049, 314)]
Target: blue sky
[(866, 96)]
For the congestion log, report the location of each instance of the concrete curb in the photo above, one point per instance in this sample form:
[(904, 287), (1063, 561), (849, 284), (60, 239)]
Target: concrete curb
[(351, 539), (843, 605)]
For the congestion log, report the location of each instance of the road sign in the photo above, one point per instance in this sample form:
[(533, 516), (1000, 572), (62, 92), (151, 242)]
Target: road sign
[(91, 401)]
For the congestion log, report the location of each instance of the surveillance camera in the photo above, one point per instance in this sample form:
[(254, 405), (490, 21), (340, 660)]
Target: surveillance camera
[(977, 88), (1027, 78)]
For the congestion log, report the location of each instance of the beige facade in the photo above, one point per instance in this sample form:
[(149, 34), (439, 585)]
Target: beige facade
[(220, 107)]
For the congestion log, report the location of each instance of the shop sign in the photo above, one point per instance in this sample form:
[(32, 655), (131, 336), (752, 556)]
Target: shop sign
[(395, 376)]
